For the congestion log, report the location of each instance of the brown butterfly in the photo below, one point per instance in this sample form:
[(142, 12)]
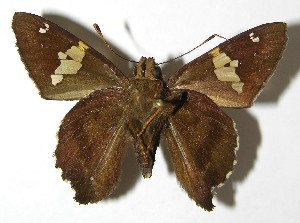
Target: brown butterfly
[(115, 111)]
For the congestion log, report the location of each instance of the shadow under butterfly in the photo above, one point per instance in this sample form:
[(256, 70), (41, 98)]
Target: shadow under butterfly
[(115, 112)]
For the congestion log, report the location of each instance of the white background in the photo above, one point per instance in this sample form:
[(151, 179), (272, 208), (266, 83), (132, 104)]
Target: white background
[(264, 186)]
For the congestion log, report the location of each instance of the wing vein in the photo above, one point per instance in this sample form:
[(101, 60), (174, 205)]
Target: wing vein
[(110, 146)]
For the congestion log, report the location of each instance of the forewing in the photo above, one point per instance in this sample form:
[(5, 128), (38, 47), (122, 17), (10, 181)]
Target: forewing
[(235, 72), (202, 141), (92, 140), (62, 66)]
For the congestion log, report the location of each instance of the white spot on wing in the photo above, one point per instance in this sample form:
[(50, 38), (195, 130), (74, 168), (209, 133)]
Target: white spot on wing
[(56, 78), (254, 39), (234, 63), (227, 73), (44, 30), (62, 56), (237, 86), (75, 53), (69, 66), (221, 60), (82, 46)]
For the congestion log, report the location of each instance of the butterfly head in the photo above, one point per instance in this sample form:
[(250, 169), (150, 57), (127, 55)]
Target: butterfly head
[(147, 68)]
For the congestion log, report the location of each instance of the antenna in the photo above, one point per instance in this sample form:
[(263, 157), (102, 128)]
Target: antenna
[(205, 41), (96, 27)]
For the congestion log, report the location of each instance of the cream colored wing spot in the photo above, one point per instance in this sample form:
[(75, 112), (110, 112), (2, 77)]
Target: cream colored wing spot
[(227, 74), (62, 56), (234, 63), (225, 69), (237, 86), (56, 79), (44, 30), (254, 39), (220, 60), (69, 66), (82, 46)]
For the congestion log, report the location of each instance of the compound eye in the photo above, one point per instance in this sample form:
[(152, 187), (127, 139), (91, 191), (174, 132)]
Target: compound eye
[(157, 73)]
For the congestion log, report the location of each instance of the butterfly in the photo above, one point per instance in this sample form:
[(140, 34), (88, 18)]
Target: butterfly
[(115, 113)]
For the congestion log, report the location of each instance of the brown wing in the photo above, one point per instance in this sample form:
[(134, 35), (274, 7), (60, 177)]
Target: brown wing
[(62, 66), (91, 145), (202, 141), (235, 72)]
